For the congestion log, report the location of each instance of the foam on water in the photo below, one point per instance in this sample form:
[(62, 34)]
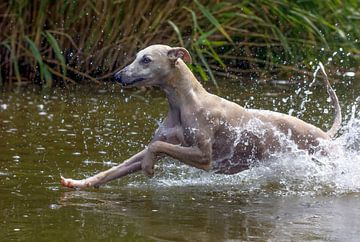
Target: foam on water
[(288, 173)]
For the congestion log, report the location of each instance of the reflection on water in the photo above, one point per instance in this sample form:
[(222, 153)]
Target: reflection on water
[(78, 133)]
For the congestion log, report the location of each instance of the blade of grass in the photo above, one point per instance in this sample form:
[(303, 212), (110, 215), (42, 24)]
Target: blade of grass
[(213, 20), (44, 72), (56, 48), (177, 31), (204, 62), (311, 24), (14, 59)]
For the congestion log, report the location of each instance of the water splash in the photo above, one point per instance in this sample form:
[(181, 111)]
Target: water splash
[(307, 93)]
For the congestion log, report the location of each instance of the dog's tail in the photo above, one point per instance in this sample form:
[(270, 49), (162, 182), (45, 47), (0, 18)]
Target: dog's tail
[(335, 102)]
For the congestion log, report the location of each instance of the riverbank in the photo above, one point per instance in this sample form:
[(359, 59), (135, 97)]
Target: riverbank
[(57, 43)]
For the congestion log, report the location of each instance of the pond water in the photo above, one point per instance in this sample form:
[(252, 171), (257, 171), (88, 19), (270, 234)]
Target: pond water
[(80, 132)]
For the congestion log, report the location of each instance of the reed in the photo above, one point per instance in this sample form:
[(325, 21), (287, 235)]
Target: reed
[(60, 42)]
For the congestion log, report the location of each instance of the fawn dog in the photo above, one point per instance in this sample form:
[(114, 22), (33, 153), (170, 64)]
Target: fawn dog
[(201, 129)]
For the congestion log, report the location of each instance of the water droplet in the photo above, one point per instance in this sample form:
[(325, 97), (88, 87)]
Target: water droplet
[(4, 106), (54, 206), (349, 73)]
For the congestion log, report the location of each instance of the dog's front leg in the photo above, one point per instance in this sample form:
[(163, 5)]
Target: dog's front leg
[(129, 166), (172, 135), (199, 157)]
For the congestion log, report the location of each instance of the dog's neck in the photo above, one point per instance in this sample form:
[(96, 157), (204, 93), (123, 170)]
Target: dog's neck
[(182, 88)]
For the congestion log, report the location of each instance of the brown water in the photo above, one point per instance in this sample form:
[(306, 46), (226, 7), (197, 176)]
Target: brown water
[(81, 132)]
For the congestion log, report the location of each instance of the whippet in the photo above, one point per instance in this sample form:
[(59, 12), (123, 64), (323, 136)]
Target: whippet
[(201, 129)]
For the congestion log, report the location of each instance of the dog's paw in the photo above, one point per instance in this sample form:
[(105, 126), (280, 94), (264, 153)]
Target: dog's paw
[(148, 169), (70, 183)]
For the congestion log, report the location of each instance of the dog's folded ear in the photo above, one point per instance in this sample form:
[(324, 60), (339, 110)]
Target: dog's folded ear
[(179, 52)]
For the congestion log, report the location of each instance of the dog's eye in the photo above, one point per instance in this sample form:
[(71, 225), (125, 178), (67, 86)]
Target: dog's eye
[(146, 60)]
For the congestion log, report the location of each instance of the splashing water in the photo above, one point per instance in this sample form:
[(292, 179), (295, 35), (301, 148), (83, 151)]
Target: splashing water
[(307, 93)]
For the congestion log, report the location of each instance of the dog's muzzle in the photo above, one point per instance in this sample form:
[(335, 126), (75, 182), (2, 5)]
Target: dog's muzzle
[(118, 78), (121, 78)]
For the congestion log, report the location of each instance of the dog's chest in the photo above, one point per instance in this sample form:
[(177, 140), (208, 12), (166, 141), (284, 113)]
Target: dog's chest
[(196, 125), (190, 134)]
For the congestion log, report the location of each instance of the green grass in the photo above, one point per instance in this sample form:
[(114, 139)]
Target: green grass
[(61, 42)]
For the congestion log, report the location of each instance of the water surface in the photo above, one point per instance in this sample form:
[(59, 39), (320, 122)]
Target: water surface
[(80, 132)]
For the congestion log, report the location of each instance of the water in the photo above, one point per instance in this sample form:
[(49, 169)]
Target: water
[(81, 132)]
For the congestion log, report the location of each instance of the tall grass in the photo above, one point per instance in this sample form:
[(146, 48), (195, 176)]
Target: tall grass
[(60, 42)]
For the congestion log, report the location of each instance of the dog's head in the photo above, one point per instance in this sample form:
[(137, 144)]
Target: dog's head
[(152, 66)]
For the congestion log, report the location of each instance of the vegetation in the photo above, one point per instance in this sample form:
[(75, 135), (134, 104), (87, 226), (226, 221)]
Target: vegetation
[(60, 42)]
